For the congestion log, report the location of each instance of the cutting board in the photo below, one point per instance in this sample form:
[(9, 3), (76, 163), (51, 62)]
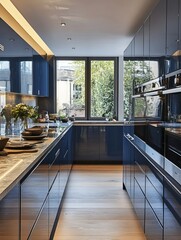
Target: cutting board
[(9, 151)]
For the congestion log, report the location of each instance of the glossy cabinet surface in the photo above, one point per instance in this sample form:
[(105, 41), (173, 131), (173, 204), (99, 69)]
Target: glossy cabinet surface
[(10, 215), (34, 191), (32, 207), (155, 196), (98, 144), (40, 76)]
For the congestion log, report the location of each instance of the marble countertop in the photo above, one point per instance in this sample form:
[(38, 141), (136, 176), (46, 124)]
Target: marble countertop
[(98, 123), (13, 167)]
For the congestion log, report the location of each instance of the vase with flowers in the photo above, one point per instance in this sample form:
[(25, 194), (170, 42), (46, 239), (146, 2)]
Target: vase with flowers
[(7, 113), (23, 112)]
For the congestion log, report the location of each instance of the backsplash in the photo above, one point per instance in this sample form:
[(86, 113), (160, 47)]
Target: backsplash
[(15, 98)]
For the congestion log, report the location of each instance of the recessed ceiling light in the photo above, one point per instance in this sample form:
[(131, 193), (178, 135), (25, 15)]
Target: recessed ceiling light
[(69, 39), (63, 24), (73, 48)]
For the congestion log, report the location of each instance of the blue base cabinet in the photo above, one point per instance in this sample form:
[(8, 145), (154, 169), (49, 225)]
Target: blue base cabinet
[(98, 144), (156, 197), (10, 215), (31, 209)]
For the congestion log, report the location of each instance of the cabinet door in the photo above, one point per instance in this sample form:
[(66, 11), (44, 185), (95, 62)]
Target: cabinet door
[(158, 30), (172, 211), (54, 199), (86, 144), (139, 56), (34, 190), (10, 215), (154, 191), (128, 167), (157, 37), (153, 228), (139, 203), (146, 50), (40, 230), (40, 76), (111, 144), (70, 149), (172, 38), (54, 164), (172, 27), (140, 164)]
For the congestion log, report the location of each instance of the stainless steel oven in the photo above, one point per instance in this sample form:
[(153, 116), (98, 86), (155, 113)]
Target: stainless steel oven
[(173, 153)]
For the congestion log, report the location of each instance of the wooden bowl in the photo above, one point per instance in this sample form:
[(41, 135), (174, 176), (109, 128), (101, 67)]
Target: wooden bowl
[(35, 131), (26, 133), (3, 141)]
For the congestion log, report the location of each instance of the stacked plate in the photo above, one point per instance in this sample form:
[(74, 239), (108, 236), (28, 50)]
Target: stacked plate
[(34, 133), (18, 144)]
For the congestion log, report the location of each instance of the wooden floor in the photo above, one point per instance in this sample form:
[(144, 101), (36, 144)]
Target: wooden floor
[(96, 207)]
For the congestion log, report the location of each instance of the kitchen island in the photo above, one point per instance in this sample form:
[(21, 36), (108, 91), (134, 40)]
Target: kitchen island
[(32, 187)]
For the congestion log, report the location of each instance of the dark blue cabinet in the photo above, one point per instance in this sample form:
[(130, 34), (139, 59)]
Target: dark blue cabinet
[(34, 192), (86, 144), (10, 215), (155, 196), (128, 162), (42, 191), (172, 211), (40, 76), (98, 144)]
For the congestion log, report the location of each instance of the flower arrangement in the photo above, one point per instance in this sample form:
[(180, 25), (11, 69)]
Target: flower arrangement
[(7, 112), (24, 111)]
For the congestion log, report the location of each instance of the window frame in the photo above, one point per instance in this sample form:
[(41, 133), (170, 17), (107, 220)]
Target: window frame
[(88, 83)]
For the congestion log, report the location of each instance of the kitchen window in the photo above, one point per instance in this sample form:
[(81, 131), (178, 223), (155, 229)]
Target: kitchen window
[(87, 87), (4, 76)]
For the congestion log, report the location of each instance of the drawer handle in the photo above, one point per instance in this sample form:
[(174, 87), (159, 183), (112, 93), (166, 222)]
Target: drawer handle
[(57, 153)]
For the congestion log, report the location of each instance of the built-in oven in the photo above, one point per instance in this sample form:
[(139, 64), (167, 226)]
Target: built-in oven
[(173, 152)]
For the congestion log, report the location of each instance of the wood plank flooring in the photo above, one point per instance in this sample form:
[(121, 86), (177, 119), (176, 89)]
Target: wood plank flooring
[(96, 207)]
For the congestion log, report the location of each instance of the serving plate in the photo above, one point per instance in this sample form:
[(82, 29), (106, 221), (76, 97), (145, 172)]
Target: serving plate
[(39, 137), (19, 146)]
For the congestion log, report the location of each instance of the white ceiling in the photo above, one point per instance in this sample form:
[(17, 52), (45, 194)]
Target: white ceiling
[(96, 27)]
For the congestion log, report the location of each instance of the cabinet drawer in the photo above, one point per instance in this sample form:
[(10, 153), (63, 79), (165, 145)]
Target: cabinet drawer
[(140, 176), (153, 228), (40, 230), (34, 191), (155, 200), (10, 215), (139, 203), (54, 167)]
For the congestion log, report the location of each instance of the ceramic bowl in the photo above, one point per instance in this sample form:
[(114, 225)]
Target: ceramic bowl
[(3, 141), (35, 131)]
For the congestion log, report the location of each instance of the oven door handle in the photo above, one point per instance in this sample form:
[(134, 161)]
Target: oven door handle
[(175, 151)]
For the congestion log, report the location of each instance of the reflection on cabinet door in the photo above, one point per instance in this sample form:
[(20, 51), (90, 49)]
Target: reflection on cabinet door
[(139, 203), (34, 191), (41, 228), (128, 167), (172, 212), (9, 215), (153, 228), (54, 199)]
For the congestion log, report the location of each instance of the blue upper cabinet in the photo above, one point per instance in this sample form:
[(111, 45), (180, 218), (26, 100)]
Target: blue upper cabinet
[(40, 76), (157, 37), (172, 36)]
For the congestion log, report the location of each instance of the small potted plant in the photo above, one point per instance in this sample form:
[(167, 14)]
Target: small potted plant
[(24, 112)]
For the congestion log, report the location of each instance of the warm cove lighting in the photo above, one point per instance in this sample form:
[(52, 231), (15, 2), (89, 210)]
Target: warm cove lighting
[(18, 23)]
